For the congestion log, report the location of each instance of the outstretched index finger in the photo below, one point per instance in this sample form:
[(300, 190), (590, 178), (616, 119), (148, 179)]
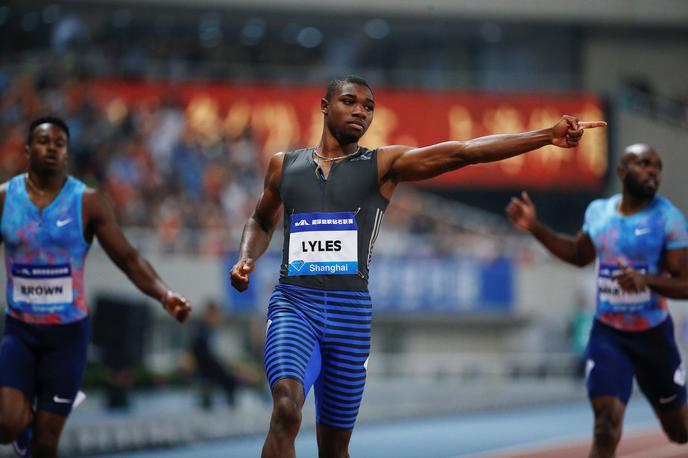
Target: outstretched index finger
[(591, 124)]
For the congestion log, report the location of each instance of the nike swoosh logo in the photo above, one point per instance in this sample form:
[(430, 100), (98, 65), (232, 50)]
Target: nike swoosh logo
[(643, 231), (667, 400), (63, 222), (60, 400)]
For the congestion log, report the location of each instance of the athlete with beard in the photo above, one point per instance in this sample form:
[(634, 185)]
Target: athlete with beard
[(48, 221), (639, 241), (334, 196)]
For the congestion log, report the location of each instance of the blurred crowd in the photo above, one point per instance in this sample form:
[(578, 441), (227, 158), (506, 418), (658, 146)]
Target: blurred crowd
[(156, 171), (192, 194), (163, 176)]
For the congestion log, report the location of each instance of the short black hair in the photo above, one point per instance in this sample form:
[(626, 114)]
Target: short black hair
[(54, 120), (339, 82)]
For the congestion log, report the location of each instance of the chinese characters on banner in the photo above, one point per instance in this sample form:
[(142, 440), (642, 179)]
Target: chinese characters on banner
[(286, 117)]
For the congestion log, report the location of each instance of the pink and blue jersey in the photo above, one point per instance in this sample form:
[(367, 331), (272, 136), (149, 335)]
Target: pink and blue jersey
[(45, 251), (639, 241)]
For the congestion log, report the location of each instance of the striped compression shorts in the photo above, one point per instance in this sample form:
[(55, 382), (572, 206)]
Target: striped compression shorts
[(322, 339)]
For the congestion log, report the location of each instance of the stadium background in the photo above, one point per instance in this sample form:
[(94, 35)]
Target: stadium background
[(175, 107)]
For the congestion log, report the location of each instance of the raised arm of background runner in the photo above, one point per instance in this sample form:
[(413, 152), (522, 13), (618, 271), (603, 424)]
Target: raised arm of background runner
[(578, 250), (101, 223), (405, 163), (260, 226)]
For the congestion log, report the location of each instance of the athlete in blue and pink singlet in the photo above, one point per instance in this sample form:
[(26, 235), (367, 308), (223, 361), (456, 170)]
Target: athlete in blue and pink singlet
[(639, 241), (47, 223)]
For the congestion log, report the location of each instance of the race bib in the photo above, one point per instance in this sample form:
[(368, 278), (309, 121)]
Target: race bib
[(323, 244), (611, 298), (38, 285)]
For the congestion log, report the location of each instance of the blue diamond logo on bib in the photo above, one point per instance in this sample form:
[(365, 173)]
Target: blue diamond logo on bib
[(323, 244), (297, 265)]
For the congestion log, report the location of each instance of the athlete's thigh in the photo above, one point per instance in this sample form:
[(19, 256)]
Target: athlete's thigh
[(345, 348), (18, 360), (609, 369), (61, 368), (291, 348), (658, 368)]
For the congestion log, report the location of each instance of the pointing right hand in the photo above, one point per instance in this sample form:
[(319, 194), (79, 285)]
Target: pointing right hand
[(569, 130), (240, 272), (521, 212)]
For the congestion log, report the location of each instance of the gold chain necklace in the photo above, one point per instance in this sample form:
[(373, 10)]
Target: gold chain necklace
[(35, 187), (329, 159)]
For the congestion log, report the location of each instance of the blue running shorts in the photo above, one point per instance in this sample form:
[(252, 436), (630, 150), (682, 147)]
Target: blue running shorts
[(322, 339), (44, 361), (613, 357)]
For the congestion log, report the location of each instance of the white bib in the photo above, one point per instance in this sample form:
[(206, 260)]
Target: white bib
[(323, 244), (42, 284)]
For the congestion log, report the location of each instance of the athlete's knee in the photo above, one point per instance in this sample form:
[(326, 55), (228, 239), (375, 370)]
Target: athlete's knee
[(286, 412), (9, 430), (608, 425)]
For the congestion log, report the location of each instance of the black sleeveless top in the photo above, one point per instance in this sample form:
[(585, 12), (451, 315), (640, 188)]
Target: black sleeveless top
[(330, 225)]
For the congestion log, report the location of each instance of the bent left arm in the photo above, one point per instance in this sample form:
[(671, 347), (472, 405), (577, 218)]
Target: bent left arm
[(102, 224), (674, 286), (404, 163)]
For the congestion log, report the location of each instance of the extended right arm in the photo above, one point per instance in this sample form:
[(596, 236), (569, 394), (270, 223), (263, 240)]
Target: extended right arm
[(260, 225), (577, 250)]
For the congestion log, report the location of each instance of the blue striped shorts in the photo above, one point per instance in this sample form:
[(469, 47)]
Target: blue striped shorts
[(322, 339)]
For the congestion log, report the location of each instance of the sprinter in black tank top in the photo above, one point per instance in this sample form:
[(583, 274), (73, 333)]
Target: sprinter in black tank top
[(333, 196)]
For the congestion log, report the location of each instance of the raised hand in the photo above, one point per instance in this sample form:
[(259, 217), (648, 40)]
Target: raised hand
[(521, 212), (240, 272), (568, 131), (176, 305)]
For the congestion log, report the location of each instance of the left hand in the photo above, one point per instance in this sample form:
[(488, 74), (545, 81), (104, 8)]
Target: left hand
[(177, 306), (568, 131), (630, 280)]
